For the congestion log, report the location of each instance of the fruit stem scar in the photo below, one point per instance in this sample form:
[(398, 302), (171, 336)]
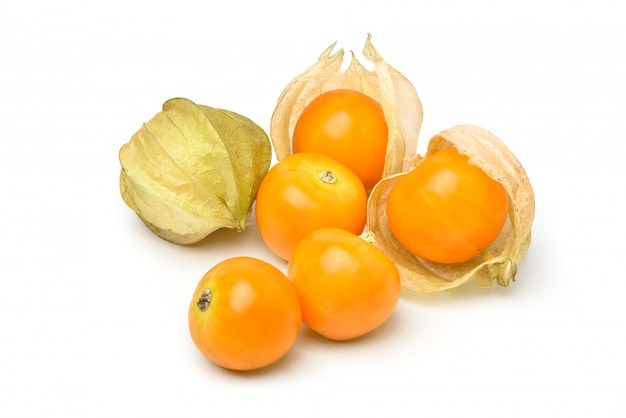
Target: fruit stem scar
[(368, 237), (327, 176), (204, 300)]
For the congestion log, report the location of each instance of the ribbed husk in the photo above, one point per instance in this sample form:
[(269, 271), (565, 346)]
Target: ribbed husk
[(498, 263), (193, 169), (397, 96)]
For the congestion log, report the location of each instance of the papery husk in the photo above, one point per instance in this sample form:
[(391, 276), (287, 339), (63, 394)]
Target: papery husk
[(193, 169), (498, 263), (397, 96)]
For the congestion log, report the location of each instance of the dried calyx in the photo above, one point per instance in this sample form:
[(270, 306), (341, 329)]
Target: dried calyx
[(498, 262), (397, 96), (193, 169)]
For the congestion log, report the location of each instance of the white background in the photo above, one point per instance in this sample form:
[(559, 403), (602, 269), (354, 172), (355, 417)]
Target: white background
[(93, 305)]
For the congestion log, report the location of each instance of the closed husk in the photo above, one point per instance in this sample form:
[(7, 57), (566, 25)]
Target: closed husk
[(193, 169)]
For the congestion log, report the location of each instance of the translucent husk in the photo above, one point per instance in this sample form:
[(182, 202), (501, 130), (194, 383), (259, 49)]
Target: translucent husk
[(397, 96), (193, 169), (498, 263)]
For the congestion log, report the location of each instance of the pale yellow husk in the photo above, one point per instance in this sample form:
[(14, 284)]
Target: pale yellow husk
[(397, 96), (498, 263), (193, 169)]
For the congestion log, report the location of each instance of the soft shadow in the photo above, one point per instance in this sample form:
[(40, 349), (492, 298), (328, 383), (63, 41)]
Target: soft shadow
[(228, 243), (467, 292), (224, 237), (279, 366), (384, 332)]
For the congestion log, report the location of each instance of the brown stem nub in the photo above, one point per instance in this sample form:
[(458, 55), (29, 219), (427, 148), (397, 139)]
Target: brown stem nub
[(204, 300), (327, 176)]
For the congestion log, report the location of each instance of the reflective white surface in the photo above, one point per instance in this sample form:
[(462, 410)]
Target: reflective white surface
[(93, 305)]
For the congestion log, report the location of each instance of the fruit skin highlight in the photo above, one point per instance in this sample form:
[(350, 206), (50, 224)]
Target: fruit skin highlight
[(447, 210), (347, 287), (244, 314), (304, 192), (348, 126)]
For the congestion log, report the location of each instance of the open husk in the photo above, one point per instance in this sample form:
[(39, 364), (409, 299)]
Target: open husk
[(498, 263), (397, 96)]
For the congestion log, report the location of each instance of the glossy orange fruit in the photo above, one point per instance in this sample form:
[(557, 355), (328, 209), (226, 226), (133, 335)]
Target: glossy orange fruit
[(348, 126), (447, 210), (244, 314), (304, 192), (347, 287)]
